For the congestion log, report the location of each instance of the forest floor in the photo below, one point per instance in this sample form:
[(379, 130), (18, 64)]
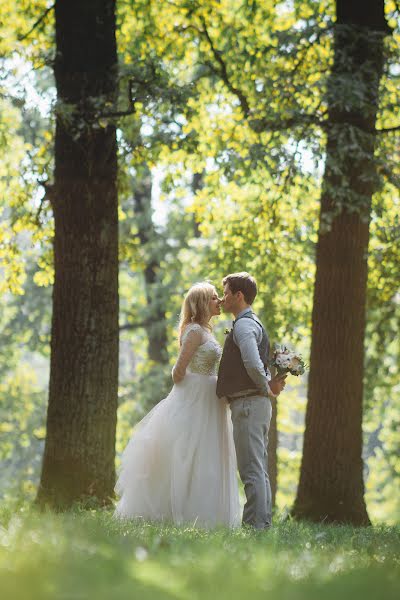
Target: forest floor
[(88, 555)]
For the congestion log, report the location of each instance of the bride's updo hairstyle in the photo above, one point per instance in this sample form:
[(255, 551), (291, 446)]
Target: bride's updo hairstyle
[(195, 307)]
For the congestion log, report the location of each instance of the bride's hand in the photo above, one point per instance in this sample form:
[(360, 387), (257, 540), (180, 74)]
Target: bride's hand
[(177, 376)]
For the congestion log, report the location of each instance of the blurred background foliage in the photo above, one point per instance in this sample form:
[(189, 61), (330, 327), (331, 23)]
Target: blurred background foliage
[(212, 180)]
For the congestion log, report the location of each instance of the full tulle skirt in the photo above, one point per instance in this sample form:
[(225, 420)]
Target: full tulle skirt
[(180, 463)]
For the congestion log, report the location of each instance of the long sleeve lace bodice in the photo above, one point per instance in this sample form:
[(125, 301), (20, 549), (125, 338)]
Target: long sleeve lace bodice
[(200, 353)]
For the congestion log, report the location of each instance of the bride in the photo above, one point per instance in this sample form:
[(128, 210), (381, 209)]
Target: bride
[(180, 464)]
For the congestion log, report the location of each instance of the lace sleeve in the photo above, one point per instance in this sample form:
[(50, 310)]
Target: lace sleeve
[(191, 340)]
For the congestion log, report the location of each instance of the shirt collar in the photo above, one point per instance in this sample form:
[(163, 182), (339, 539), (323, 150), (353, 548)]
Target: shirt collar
[(243, 312)]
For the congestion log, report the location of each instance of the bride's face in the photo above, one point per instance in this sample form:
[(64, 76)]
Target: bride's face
[(215, 305)]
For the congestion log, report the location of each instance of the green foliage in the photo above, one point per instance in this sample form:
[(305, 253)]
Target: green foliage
[(26, 227), (22, 430), (383, 452), (91, 555), (382, 364)]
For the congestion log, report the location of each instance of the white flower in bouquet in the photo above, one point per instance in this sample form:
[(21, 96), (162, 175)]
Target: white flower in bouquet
[(287, 361)]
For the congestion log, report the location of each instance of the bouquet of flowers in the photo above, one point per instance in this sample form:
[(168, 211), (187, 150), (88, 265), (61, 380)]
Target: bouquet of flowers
[(287, 361)]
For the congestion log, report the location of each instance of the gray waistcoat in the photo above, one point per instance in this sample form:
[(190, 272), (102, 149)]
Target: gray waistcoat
[(232, 375)]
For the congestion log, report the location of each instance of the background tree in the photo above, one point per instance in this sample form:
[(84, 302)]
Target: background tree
[(81, 419), (153, 246), (331, 481)]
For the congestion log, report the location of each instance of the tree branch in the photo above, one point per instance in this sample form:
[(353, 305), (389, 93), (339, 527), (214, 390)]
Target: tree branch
[(132, 326), (223, 71), (39, 210), (21, 38), (306, 47), (139, 324), (47, 197), (388, 129), (123, 113), (263, 125)]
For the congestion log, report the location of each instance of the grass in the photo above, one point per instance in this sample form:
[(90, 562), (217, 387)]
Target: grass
[(88, 555)]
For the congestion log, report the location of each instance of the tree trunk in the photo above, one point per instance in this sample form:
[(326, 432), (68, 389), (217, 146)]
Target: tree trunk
[(197, 185), (155, 321), (81, 419), (331, 484)]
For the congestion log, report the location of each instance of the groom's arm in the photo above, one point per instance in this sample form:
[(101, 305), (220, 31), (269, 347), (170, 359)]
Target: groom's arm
[(247, 335)]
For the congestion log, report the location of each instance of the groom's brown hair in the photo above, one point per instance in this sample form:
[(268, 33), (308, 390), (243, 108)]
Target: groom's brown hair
[(242, 282)]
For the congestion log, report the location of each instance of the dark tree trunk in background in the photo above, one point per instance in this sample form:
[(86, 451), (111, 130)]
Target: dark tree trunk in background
[(331, 484), (197, 186), (155, 321), (81, 419)]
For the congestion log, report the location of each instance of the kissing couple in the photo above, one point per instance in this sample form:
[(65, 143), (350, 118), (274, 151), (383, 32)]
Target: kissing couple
[(181, 461)]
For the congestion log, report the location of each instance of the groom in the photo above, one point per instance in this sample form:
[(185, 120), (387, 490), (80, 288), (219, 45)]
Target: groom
[(245, 381)]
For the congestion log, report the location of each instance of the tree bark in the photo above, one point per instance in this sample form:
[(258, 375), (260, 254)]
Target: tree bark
[(331, 484), (81, 420), (157, 345)]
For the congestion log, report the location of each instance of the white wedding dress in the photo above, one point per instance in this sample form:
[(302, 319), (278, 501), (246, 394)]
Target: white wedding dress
[(180, 463)]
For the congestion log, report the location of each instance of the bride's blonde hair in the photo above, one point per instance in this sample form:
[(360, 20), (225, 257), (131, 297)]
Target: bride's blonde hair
[(196, 306)]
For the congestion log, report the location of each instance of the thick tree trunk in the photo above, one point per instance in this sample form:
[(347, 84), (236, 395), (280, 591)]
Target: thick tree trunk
[(331, 481), (157, 346), (81, 419)]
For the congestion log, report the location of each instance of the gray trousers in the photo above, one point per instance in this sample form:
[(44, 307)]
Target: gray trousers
[(251, 418)]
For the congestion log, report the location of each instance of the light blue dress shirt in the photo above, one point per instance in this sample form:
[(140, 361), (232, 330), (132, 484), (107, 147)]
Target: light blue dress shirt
[(247, 335)]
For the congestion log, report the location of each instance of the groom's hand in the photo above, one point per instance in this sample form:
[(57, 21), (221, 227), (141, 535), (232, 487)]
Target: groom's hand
[(277, 384)]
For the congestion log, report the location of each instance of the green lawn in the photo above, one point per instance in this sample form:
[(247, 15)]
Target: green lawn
[(83, 555)]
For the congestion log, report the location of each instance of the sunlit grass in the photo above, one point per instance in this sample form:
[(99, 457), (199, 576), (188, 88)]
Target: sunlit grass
[(89, 555)]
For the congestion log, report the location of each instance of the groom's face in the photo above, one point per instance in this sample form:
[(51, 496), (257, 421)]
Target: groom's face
[(230, 300)]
